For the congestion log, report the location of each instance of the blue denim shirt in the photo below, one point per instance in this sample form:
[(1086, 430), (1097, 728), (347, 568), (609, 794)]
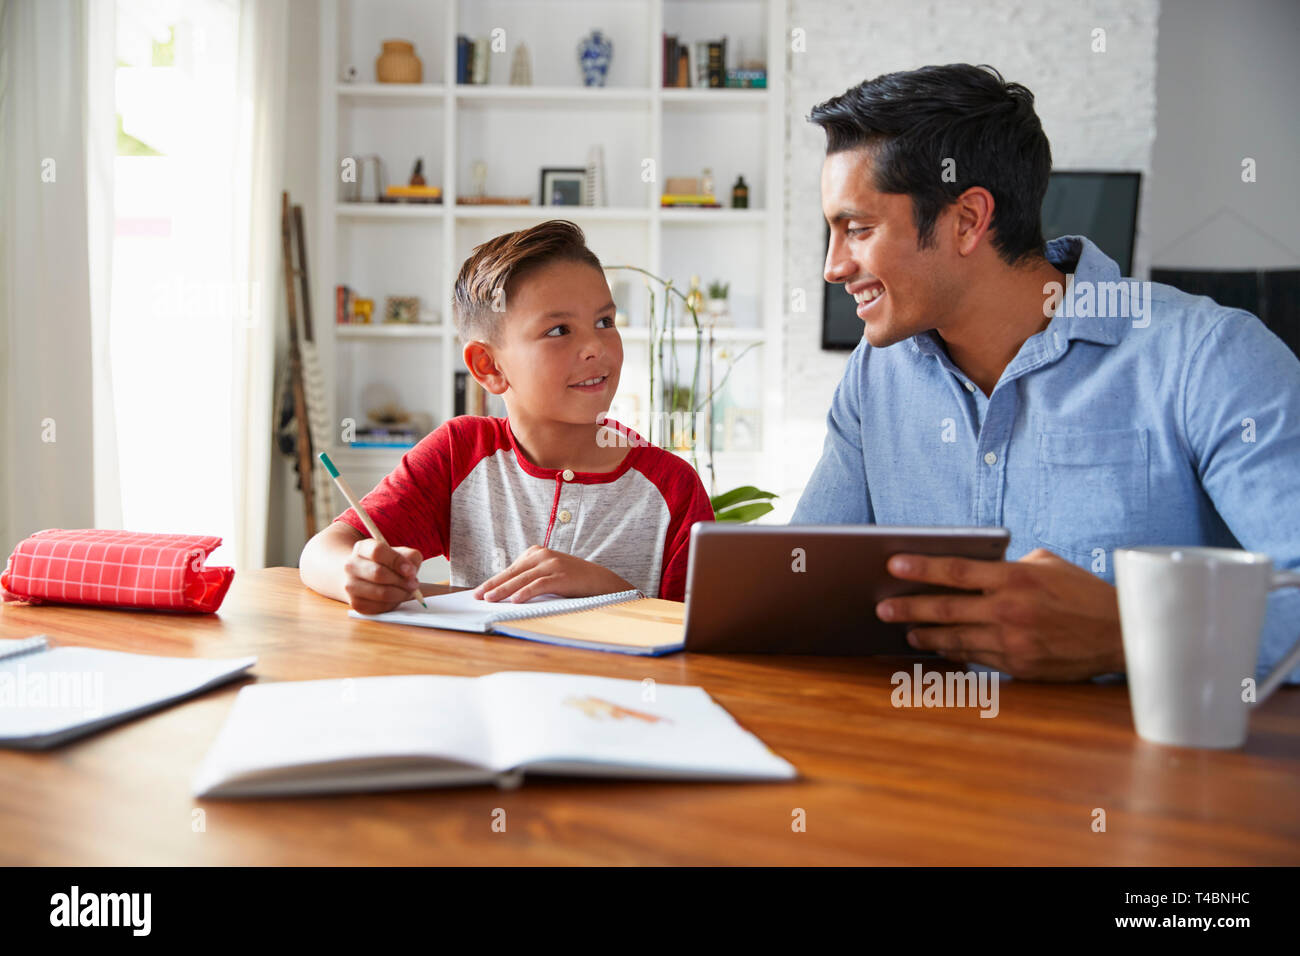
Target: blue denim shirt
[(1140, 416)]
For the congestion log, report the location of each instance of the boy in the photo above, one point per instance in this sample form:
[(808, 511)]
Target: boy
[(552, 499)]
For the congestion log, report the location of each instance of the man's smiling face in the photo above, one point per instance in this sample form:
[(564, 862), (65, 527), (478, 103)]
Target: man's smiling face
[(901, 289)]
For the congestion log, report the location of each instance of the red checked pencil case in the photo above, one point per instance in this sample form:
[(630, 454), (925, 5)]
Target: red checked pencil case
[(107, 568)]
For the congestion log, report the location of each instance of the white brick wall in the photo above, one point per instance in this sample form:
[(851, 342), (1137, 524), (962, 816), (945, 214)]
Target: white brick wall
[(1098, 110)]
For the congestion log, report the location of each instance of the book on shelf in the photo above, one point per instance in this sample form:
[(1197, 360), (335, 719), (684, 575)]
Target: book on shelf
[(717, 61), (678, 71), (702, 63), (480, 62), (472, 60), (472, 399), (342, 305), (461, 380), (387, 436), (475, 397), (692, 200), (464, 48), (747, 79), (429, 194)]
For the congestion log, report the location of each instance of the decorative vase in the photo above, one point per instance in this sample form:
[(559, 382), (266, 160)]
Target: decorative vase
[(594, 53), (398, 63)]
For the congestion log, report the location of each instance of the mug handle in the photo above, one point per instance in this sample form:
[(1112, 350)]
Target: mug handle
[(1281, 579)]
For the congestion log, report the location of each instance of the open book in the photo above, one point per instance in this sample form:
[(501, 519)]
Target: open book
[(377, 733), (625, 622), (50, 695)]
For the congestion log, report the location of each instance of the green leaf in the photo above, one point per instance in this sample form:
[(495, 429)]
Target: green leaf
[(743, 513), (737, 495)]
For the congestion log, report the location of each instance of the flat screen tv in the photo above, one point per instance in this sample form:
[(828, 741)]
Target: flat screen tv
[(1100, 205)]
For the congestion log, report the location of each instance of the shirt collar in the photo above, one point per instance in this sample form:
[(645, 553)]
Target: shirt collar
[(1080, 257)]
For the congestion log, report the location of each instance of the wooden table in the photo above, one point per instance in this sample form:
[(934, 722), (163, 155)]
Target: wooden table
[(879, 785)]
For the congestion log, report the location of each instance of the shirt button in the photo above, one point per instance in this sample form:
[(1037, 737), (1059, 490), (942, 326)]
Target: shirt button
[(564, 517), (567, 475), (969, 387), (990, 459)]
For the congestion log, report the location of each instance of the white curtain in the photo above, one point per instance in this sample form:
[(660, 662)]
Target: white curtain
[(101, 151), (64, 446), (55, 206), (261, 92)]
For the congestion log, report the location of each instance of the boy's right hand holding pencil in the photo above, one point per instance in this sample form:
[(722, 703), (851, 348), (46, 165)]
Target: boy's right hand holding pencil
[(380, 577)]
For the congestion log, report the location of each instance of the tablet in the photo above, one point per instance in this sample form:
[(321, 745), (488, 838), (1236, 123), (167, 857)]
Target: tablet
[(811, 589)]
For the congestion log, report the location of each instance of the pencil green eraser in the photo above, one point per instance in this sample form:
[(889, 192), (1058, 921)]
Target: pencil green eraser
[(329, 465)]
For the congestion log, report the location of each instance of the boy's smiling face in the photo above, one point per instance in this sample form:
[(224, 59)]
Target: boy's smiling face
[(559, 354)]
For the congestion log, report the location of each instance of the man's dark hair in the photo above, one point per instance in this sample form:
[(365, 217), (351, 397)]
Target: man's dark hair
[(911, 122)]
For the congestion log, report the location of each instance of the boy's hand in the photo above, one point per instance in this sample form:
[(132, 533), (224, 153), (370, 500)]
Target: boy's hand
[(543, 571), (378, 578)]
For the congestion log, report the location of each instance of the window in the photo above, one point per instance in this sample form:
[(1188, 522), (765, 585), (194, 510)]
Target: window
[(173, 303)]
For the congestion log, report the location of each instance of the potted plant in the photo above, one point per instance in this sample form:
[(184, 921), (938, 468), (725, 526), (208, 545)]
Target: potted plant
[(692, 404), (741, 504), (716, 305)]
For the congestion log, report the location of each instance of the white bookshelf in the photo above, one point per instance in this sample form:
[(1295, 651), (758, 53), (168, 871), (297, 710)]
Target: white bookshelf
[(391, 249)]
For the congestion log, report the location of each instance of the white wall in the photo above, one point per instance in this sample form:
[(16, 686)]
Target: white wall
[(1227, 80), (1098, 110)]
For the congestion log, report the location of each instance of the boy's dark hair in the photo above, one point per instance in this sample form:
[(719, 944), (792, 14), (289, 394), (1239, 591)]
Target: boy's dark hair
[(913, 121), (494, 269)]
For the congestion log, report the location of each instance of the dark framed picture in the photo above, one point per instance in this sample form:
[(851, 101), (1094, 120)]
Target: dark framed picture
[(564, 186)]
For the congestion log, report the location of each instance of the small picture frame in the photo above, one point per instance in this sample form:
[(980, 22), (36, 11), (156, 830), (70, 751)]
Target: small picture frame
[(563, 186), (402, 308)]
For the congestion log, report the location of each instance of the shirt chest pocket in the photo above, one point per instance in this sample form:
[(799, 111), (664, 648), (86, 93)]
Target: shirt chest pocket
[(1092, 490)]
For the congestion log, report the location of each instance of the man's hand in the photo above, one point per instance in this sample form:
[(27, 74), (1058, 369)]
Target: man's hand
[(543, 571), (1040, 618), (378, 578)]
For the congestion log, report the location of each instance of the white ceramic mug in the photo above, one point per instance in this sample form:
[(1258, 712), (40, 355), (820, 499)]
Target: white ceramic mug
[(1191, 619)]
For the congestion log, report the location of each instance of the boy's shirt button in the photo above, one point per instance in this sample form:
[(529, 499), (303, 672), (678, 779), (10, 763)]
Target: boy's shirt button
[(564, 517), (567, 474)]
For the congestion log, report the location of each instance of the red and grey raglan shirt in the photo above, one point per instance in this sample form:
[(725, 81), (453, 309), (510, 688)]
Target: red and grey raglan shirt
[(467, 491)]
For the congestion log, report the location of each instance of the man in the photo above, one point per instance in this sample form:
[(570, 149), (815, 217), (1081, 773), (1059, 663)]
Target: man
[(1006, 381)]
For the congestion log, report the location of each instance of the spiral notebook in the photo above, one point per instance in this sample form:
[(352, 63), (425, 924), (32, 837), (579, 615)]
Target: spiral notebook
[(625, 622)]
